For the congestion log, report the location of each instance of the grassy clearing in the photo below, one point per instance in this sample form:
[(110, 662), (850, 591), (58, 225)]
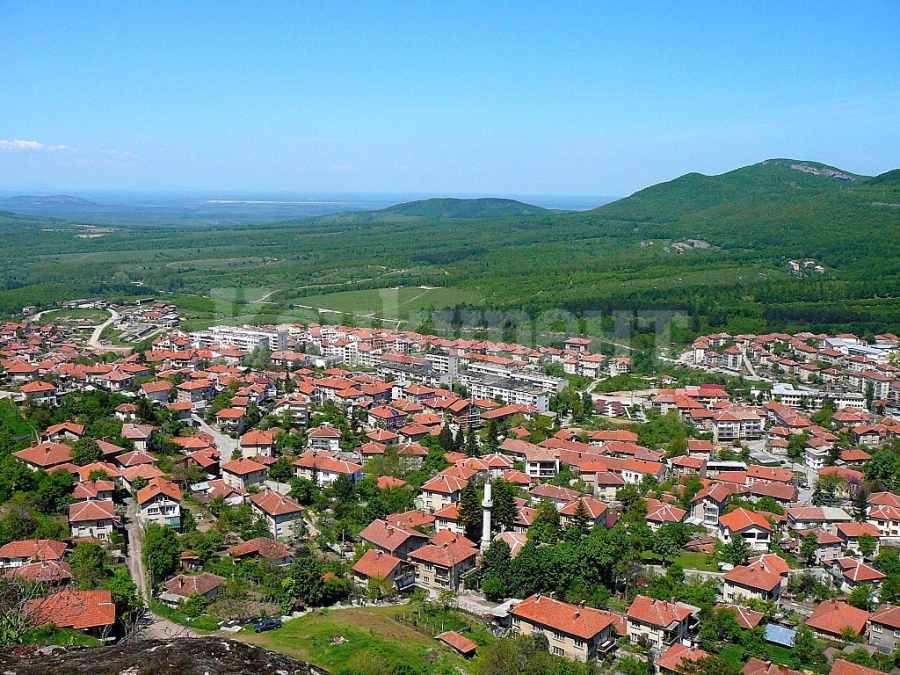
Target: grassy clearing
[(390, 303), (735, 654), (374, 641), (75, 317), (11, 420), (690, 560), (201, 624)]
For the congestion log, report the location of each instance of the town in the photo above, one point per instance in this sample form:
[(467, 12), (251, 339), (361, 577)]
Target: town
[(738, 504)]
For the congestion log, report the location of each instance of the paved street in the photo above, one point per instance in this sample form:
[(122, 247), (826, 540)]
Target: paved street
[(225, 444)]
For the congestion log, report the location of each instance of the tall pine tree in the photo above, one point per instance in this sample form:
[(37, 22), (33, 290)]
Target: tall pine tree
[(472, 449), (470, 512)]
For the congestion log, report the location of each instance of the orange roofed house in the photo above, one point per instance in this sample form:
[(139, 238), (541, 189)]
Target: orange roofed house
[(658, 623), (282, 514), (91, 611), (754, 528), (378, 565), (442, 566), (94, 519), (572, 631), (160, 503)]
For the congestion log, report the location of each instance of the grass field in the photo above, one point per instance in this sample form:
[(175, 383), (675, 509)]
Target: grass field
[(390, 303), (11, 420), (75, 317), (697, 561), (374, 642), (735, 654)]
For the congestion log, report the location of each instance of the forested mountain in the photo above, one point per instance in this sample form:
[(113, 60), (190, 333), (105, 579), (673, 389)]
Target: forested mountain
[(716, 247), (465, 208)]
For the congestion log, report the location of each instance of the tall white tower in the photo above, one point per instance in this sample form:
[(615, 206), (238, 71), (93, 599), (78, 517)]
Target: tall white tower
[(486, 504)]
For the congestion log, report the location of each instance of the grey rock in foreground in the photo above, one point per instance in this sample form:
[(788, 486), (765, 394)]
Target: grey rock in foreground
[(179, 656)]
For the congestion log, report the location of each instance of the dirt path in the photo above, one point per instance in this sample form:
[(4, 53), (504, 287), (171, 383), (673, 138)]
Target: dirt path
[(149, 625), (135, 557)]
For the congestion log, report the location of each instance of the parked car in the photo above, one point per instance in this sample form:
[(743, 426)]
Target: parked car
[(266, 624)]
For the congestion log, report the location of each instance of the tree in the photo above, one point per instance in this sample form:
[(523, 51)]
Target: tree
[(471, 447), (470, 512), (809, 547), (124, 594), (54, 492), (85, 450), (445, 438), (304, 491), (89, 566), (161, 552), (866, 544), (580, 520), (504, 512), (281, 471), (545, 526), (496, 564), (862, 597), (806, 652), (737, 550), (709, 665), (754, 642)]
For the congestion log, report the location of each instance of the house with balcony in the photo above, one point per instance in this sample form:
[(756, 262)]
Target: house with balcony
[(753, 527), (573, 631), (160, 503), (442, 566), (658, 623)]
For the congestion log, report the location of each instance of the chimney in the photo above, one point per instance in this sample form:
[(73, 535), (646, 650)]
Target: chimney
[(577, 614), (537, 599)]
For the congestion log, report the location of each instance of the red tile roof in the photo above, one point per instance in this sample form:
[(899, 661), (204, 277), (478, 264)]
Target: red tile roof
[(673, 658), (46, 454), (755, 578), (52, 571), (582, 622), (833, 617), (376, 564), (158, 486), (746, 617), (844, 667), (242, 466), (275, 504), (261, 546), (448, 554), (73, 609), (389, 536), (657, 612), (186, 586), (741, 519), (461, 644), (34, 549), (92, 510), (888, 615), (756, 667)]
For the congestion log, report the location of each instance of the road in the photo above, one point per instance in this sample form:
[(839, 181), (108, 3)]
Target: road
[(148, 625), (94, 342), (225, 444), (135, 557)]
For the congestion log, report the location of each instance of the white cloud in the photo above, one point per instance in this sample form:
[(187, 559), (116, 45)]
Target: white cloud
[(20, 145), (60, 148)]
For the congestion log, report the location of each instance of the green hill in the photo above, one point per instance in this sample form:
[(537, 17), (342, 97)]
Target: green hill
[(440, 209), (714, 247)]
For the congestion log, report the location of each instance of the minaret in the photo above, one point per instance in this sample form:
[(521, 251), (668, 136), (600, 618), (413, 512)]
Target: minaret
[(486, 504)]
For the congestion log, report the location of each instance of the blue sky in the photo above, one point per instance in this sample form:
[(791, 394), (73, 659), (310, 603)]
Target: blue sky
[(521, 98)]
